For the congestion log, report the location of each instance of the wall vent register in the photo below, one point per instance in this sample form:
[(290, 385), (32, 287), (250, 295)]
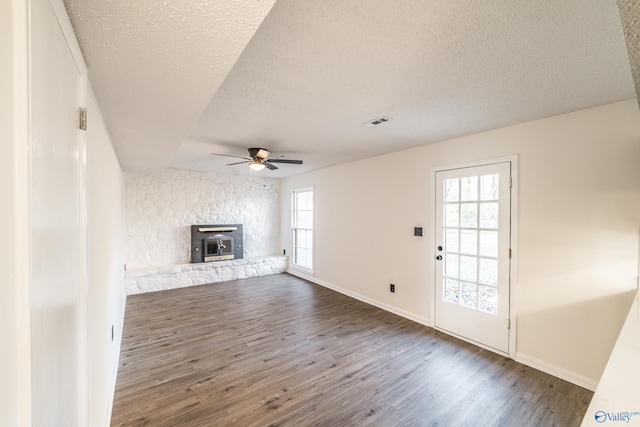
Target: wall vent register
[(376, 121)]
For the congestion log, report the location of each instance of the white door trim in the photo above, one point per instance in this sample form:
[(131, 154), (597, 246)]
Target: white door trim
[(15, 387), (513, 267)]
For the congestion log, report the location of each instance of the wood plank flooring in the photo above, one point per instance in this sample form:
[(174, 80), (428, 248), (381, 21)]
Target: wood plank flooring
[(280, 351)]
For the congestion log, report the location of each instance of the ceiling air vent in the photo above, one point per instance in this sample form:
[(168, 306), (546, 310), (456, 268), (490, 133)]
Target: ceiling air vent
[(376, 122)]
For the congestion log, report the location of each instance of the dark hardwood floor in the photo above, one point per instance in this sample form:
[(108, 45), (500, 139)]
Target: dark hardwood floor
[(280, 351)]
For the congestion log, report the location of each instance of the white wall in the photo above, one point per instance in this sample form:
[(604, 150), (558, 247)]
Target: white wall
[(577, 252), (105, 265), (15, 391), (161, 207), (45, 294)]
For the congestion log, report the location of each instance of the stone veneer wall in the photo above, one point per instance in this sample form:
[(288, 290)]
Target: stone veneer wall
[(160, 207)]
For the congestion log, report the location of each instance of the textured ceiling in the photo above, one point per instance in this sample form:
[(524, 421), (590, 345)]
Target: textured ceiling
[(630, 17), (314, 71), (155, 65)]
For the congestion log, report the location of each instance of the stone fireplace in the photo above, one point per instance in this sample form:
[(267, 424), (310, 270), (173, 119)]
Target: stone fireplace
[(217, 242), (160, 209)]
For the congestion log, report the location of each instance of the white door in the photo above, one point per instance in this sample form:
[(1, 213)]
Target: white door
[(473, 254), (56, 225)]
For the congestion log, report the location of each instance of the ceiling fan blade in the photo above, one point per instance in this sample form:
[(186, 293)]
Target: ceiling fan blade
[(293, 162), (230, 155), (237, 163), (270, 166)]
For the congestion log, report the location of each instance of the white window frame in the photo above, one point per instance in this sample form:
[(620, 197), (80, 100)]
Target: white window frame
[(295, 228)]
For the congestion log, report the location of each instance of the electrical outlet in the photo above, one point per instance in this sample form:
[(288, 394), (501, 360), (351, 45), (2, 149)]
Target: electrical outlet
[(392, 287)]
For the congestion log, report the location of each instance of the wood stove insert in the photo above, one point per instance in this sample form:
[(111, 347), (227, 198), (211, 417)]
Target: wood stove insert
[(217, 242)]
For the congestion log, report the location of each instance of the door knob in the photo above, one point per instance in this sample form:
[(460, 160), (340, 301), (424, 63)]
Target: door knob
[(439, 257)]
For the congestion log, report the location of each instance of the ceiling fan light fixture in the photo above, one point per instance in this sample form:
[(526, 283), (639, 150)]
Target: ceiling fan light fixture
[(256, 165), (257, 160)]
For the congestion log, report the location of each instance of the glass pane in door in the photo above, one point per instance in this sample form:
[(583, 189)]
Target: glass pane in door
[(471, 220)]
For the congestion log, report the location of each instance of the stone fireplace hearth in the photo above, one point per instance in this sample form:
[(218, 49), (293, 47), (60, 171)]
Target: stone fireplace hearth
[(202, 273)]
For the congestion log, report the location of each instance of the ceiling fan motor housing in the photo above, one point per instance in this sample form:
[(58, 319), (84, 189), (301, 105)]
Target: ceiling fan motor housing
[(260, 153)]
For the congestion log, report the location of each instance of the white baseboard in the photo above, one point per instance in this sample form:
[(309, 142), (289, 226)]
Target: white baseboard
[(556, 371), (354, 295)]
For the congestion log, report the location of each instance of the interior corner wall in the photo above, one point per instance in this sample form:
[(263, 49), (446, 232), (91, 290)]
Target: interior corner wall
[(577, 241), (161, 207), (106, 296)]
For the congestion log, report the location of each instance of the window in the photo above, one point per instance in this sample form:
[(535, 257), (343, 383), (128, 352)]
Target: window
[(302, 227)]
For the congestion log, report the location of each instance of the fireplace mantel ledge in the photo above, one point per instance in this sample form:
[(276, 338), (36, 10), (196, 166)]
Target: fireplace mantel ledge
[(151, 279)]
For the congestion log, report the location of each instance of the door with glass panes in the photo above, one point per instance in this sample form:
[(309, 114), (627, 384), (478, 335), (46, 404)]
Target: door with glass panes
[(473, 215)]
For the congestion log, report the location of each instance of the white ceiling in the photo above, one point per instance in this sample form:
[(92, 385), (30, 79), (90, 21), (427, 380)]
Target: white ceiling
[(155, 65), (630, 18), (179, 80)]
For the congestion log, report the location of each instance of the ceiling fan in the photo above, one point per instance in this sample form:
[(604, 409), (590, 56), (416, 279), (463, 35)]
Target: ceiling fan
[(257, 159)]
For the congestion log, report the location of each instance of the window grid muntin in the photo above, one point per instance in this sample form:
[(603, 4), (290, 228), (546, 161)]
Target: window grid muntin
[(460, 198)]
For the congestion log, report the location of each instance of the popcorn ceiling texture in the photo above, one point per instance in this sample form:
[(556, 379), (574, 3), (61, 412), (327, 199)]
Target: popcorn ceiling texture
[(155, 65), (161, 207), (301, 76), (440, 69), (630, 17)]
